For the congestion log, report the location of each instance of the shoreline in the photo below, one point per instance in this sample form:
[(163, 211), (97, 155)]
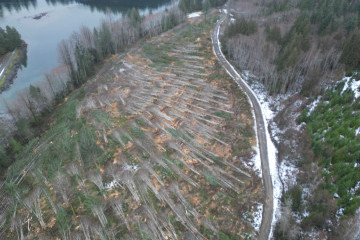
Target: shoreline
[(17, 61)]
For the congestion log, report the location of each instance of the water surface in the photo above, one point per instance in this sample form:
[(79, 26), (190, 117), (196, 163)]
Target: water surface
[(61, 18)]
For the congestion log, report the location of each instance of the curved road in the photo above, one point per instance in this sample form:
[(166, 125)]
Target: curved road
[(267, 214)]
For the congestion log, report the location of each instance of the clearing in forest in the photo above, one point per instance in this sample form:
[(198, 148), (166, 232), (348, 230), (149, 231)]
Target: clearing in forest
[(156, 146)]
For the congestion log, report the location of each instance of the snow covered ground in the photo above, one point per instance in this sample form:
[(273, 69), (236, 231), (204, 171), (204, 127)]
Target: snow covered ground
[(256, 160), (288, 172), (194, 14), (257, 216), (353, 84)]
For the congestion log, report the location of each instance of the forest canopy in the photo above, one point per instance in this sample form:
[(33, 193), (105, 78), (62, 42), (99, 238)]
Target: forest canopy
[(10, 39)]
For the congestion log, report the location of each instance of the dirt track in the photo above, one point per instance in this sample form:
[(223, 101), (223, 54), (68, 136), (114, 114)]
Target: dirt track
[(261, 131)]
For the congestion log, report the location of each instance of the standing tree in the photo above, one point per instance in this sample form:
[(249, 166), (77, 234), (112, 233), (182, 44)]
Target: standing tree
[(13, 38), (4, 158), (135, 18), (24, 130), (351, 52), (206, 7), (9, 40), (66, 57), (185, 6)]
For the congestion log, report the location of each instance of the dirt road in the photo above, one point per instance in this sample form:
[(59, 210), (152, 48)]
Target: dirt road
[(261, 132)]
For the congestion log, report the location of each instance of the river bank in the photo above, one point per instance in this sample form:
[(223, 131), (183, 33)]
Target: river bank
[(16, 61)]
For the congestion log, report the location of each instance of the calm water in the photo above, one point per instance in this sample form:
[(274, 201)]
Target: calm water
[(62, 19)]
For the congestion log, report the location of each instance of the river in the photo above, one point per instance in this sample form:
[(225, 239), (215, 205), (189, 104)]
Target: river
[(44, 23)]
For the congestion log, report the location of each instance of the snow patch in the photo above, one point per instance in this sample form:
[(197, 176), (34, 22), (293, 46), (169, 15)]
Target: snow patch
[(111, 184), (256, 161), (357, 131), (133, 168), (354, 189), (127, 65), (122, 70), (257, 216), (288, 173), (353, 84), (340, 212), (275, 132), (194, 15), (2, 71)]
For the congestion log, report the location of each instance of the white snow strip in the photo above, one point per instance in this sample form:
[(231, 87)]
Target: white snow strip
[(2, 71), (357, 131), (272, 151), (256, 160), (313, 105), (127, 65), (346, 85), (355, 86), (194, 15), (354, 189)]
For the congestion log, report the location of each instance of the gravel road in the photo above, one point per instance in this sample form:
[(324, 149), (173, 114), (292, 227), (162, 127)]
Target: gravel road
[(267, 214)]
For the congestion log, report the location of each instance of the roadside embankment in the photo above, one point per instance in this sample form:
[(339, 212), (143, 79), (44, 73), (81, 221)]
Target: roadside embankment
[(11, 66)]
